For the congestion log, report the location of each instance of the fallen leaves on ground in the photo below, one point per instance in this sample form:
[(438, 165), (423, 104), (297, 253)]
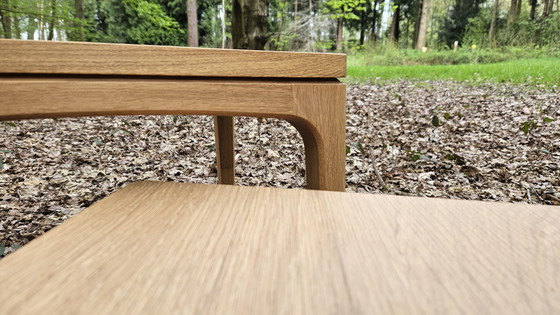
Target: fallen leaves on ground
[(435, 139)]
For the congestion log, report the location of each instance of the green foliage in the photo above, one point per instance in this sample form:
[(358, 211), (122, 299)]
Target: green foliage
[(359, 146), (458, 160), (296, 25), (417, 155), (26, 15), (528, 126), (455, 24), (150, 25), (395, 57), (344, 8), (278, 25), (540, 33), (476, 31), (548, 31), (135, 22)]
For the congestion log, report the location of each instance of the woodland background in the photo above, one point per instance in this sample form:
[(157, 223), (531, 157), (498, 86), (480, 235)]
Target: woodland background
[(307, 25)]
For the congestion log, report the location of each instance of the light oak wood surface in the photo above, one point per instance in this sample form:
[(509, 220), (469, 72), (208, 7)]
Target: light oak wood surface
[(315, 108), (47, 57), (169, 248)]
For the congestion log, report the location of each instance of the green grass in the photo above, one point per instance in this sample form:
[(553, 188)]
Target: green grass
[(534, 72)]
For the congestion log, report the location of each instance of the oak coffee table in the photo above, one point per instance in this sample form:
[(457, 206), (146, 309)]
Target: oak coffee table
[(40, 79)]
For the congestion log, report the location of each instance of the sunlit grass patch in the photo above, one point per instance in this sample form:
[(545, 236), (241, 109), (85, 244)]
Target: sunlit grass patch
[(545, 72)]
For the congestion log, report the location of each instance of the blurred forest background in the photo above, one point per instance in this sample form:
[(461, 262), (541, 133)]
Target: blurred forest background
[(296, 25)]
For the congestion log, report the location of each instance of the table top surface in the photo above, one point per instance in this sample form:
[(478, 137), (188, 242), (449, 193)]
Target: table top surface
[(186, 248), (74, 58)]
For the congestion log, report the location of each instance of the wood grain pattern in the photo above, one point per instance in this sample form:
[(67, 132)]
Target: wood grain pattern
[(58, 97), (38, 57), (321, 120), (163, 248)]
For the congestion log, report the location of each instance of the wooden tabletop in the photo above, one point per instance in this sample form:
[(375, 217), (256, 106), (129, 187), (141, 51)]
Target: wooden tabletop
[(164, 248), (48, 57)]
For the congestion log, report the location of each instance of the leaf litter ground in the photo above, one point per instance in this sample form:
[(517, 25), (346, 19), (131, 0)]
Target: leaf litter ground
[(434, 139)]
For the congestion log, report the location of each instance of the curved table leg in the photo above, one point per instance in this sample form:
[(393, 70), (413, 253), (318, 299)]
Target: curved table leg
[(321, 122)]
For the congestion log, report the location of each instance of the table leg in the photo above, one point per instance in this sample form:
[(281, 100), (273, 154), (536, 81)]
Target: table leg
[(321, 121), (225, 159)]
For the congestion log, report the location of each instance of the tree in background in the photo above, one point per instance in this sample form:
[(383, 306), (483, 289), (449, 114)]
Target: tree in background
[(548, 5), (309, 25), (455, 24), (405, 24), (493, 21), (395, 30), (423, 25), (47, 19), (6, 18), (514, 11), (139, 22), (368, 24), (192, 18), (341, 10), (78, 31), (249, 24)]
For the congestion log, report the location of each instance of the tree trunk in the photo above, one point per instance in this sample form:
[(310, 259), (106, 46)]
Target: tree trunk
[(192, 23), (363, 20), (492, 32), (224, 24), (41, 20), (512, 14), (423, 29), (417, 22), (374, 22), (31, 27), (6, 18), (547, 7), (79, 25), (238, 35), (395, 30), (16, 28), (295, 43), (533, 10), (52, 20), (250, 24), (339, 29)]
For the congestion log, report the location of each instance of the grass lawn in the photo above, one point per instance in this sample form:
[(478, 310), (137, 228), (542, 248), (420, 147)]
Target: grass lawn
[(545, 71)]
